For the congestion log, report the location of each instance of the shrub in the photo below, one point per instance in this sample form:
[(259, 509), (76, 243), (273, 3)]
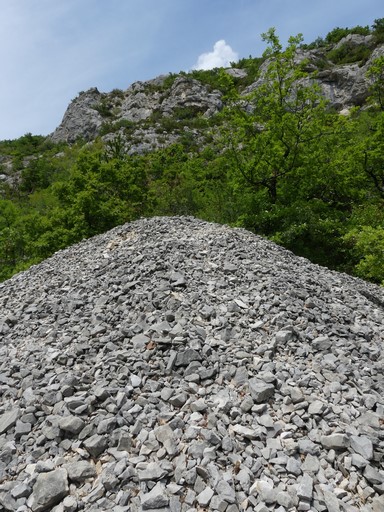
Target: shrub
[(348, 53), (337, 34)]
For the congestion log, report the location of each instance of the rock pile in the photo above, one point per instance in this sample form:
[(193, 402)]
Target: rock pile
[(177, 365)]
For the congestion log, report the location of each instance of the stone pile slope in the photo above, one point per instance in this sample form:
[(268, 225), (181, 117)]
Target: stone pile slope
[(177, 365)]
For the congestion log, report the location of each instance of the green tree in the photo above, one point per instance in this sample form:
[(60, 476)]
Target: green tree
[(376, 75), (378, 29), (368, 247), (367, 153), (273, 129), (102, 191)]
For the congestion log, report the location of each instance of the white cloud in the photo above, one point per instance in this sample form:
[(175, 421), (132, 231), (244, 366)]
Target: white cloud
[(221, 56)]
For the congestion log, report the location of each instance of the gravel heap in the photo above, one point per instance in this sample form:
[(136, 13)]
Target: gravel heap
[(177, 365)]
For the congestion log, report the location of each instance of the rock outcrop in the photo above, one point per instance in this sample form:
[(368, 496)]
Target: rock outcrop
[(347, 86), (344, 86), (81, 120), (93, 113), (177, 365), (88, 112)]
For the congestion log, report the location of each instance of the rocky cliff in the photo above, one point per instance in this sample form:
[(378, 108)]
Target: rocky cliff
[(176, 365), (87, 113), (141, 106)]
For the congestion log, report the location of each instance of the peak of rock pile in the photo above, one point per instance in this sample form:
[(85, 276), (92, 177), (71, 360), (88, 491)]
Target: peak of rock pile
[(177, 365)]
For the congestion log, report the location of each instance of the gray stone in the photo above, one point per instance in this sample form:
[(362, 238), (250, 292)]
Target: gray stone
[(247, 403), (311, 464), (305, 488), (81, 470), (225, 491), (217, 503), (179, 399), (247, 432), (95, 444), (50, 488), (358, 461), (156, 498), (316, 408), (140, 341), (266, 421), (335, 441), (363, 446), (164, 433), (294, 466), (322, 343), (205, 497), (186, 357), (307, 446), (282, 337), (69, 504), (331, 501), (373, 475), (8, 419), (260, 391), (285, 500), (378, 504), (22, 429), (265, 490), (71, 424), (21, 491), (151, 471), (241, 376)]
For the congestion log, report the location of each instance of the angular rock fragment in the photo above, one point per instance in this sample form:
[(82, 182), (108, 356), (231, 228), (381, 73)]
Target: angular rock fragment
[(71, 424), (205, 497), (305, 488), (95, 444), (151, 471), (335, 441), (8, 419), (260, 391), (50, 488), (81, 470), (156, 498), (363, 446)]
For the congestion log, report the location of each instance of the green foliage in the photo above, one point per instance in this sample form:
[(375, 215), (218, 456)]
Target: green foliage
[(26, 145), (335, 35), (319, 42), (376, 75), (378, 30), (114, 126), (211, 77), (368, 246), (104, 108), (368, 153), (269, 140), (37, 174), (117, 93), (348, 53)]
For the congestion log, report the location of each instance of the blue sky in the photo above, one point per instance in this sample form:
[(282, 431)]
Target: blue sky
[(52, 49)]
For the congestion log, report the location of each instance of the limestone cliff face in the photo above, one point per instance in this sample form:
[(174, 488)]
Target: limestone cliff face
[(347, 86), (81, 120), (86, 114), (94, 113)]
